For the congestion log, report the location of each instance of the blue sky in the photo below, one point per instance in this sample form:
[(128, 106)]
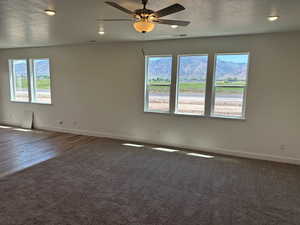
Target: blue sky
[(233, 58), (152, 58)]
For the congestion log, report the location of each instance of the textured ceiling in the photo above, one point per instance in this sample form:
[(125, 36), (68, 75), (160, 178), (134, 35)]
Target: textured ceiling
[(23, 23)]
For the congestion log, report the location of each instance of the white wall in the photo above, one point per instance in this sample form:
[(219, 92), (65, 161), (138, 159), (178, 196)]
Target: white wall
[(98, 89)]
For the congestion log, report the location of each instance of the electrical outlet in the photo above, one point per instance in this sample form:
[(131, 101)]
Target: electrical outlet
[(60, 122)]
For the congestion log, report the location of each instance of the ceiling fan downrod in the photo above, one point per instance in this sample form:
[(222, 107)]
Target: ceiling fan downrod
[(144, 2)]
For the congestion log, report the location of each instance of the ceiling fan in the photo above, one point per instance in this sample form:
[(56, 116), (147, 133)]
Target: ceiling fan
[(144, 20)]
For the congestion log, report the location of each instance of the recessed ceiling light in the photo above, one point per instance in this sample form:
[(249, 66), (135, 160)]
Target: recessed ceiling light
[(50, 12), (273, 18), (101, 32), (174, 26)]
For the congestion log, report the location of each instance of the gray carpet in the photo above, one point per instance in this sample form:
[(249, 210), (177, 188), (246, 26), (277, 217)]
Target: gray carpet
[(104, 183)]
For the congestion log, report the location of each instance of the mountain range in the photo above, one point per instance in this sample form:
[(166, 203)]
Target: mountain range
[(193, 68)]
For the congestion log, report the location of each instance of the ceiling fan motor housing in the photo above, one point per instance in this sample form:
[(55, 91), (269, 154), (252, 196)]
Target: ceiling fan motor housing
[(144, 13)]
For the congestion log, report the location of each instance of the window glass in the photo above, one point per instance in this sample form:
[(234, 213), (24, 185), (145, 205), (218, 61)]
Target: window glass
[(191, 84), (19, 80), (158, 82), (41, 83), (228, 91), (230, 83)]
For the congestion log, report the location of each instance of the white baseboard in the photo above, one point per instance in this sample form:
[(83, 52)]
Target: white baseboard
[(222, 151)]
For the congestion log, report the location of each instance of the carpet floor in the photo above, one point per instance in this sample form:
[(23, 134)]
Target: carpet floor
[(105, 183)]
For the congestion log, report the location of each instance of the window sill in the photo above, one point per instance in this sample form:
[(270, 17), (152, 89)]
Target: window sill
[(15, 101), (157, 112), (228, 117), (189, 114), (198, 116), (38, 103), (42, 103)]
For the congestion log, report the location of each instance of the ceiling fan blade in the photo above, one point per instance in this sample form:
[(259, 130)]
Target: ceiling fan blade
[(173, 22), (117, 6), (114, 20), (169, 10)]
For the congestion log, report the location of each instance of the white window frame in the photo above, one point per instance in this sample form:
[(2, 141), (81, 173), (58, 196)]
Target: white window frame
[(146, 87), (177, 85), (30, 78), (210, 86), (12, 82), (33, 81), (245, 87)]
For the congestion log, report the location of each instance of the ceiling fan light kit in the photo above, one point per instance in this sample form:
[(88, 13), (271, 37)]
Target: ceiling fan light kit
[(144, 20), (143, 26)]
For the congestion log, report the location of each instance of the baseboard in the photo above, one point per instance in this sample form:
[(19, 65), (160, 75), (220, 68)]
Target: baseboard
[(222, 151), (10, 123)]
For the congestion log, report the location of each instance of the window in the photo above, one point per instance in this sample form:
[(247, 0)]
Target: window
[(191, 83), (19, 80), (30, 83), (40, 80), (158, 83), (230, 83), (183, 92)]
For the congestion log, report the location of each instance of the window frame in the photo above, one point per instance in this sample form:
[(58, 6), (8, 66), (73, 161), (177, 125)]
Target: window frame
[(33, 79), (146, 89), (245, 87), (177, 85), (30, 75), (210, 87), (12, 81)]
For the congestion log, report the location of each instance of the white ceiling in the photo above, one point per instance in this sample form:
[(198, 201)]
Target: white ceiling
[(23, 23)]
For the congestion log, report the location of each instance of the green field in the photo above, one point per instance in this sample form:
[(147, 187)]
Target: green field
[(198, 87), (43, 84)]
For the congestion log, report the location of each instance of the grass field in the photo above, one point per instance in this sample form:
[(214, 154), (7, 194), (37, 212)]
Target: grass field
[(228, 100), (198, 87), (43, 84)]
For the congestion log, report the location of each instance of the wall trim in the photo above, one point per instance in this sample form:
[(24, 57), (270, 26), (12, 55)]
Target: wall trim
[(222, 151)]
